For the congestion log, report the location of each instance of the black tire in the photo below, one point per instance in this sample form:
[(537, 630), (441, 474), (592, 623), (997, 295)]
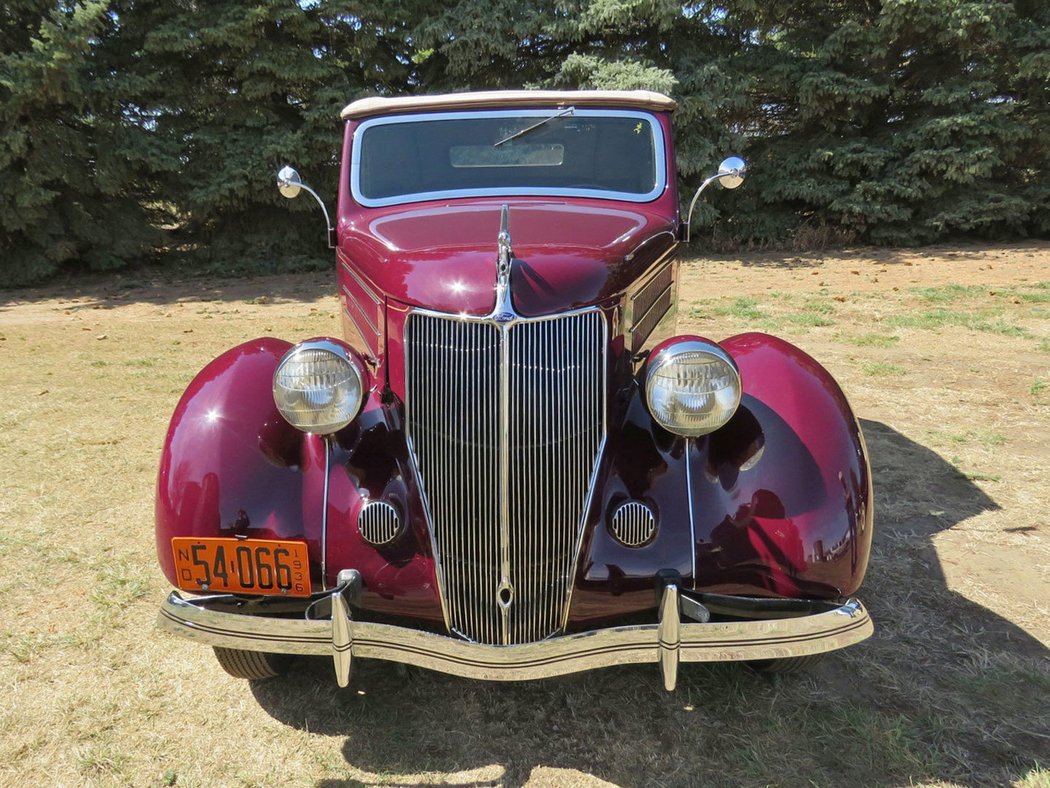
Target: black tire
[(786, 665), (252, 665)]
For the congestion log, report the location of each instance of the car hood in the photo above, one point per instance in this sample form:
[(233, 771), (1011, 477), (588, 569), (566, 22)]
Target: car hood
[(566, 255)]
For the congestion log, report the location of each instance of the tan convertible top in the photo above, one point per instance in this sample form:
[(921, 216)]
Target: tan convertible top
[(634, 99)]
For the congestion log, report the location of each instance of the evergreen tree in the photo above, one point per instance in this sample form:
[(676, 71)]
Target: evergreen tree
[(239, 89), (75, 186), (896, 122)]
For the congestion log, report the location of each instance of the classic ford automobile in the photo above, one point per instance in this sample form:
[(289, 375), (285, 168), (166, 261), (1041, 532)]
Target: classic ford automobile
[(510, 466)]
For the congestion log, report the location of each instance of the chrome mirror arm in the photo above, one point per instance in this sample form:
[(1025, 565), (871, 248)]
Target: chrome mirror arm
[(324, 210), (692, 204), (730, 175), (289, 183)]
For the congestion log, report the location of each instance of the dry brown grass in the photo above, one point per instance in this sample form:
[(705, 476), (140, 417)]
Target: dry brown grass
[(952, 689)]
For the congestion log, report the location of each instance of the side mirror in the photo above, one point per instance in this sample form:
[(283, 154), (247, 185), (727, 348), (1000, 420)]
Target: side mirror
[(289, 184), (730, 175), (730, 172)]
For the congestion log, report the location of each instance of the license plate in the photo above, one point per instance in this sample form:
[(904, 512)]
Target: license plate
[(242, 566)]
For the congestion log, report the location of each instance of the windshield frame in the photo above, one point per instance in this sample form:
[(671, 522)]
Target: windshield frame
[(656, 131)]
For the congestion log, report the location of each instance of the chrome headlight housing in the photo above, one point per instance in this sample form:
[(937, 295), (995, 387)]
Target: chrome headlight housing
[(692, 386), (319, 386)]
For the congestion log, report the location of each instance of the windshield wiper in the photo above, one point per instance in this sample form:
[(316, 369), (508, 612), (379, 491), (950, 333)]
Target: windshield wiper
[(568, 112)]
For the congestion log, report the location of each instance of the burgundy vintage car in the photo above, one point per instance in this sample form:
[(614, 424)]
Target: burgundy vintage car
[(510, 466)]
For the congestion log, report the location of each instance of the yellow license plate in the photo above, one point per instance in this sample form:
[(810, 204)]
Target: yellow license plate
[(242, 566)]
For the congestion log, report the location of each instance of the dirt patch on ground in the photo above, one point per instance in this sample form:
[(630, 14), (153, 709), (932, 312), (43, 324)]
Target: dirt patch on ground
[(945, 355)]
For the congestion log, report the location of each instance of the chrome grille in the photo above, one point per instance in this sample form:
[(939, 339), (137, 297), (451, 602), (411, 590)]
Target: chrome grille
[(633, 523), (506, 422), (378, 522)]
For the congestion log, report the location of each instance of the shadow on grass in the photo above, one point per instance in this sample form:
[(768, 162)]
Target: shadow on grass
[(881, 255), (162, 287), (946, 690)]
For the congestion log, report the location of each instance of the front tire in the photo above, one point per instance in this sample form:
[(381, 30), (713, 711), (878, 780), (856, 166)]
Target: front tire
[(252, 665)]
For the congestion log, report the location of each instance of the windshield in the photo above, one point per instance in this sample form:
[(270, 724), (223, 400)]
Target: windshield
[(614, 154)]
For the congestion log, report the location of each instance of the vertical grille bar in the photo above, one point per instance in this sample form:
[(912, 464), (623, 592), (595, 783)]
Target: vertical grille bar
[(506, 422)]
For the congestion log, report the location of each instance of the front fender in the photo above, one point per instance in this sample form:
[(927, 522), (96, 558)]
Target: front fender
[(231, 465), (778, 502), (782, 494)]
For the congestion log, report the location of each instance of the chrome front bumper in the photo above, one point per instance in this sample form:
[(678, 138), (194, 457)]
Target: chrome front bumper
[(667, 642)]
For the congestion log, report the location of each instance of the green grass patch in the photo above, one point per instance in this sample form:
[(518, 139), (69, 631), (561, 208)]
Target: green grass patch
[(808, 319), (815, 312), (1032, 294), (880, 369), (933, 319), (873, 741), (977, 476), (1038, 297), (944, 294), (968, 436), (117, 585), (1038, 387), (742, 307), (1000, 687), (819, 306), (870, 340)]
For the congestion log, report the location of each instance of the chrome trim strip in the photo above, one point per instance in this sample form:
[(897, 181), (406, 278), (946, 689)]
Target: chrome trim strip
[(692, 514), (504, 475), (642, 283), (659, 160), (324, 511), (347, 292), (656, 303), (654, 328), (592, 483), (377, 327), (720, 642), (439, 572)]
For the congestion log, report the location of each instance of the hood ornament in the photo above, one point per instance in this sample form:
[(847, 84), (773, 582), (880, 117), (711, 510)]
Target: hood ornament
[(504, 309)]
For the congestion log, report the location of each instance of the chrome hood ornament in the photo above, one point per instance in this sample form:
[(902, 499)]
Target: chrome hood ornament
[(504, 309)]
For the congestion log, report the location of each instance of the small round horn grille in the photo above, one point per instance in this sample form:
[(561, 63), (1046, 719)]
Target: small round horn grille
[(379, 523), (634, 524)]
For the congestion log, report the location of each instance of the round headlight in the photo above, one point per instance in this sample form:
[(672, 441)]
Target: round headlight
[(318, 387), (692, 387)]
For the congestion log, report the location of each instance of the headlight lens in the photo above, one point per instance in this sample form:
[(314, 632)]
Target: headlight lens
[(319, 387), (692, 387)]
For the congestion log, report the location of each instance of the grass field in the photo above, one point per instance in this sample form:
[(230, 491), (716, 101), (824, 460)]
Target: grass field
[(945, 355)]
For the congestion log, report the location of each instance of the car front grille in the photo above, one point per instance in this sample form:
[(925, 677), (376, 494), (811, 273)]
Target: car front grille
[(506, 421)]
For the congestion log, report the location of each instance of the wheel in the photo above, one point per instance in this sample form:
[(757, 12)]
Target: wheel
[(252, 665), (786, 665)]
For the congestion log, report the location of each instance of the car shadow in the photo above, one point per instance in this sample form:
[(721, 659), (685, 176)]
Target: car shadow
[(946, 689)]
